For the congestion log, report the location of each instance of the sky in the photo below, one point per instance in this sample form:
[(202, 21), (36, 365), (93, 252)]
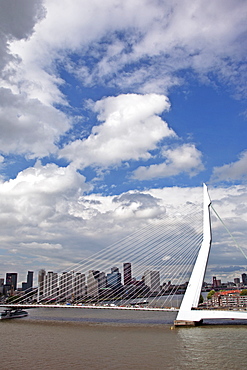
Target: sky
[(112, 112)]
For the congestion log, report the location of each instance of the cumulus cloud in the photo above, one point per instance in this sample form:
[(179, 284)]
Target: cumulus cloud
[(168, 37), (57, 228), (38, 212), (233, 171), (184, 159), (138, 204), (43, 212), (131, 128), (27, 126), (36, 192), (46, 179), (17, 21)]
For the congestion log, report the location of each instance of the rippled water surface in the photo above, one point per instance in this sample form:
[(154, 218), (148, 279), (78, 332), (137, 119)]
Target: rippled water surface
[(106, 339)]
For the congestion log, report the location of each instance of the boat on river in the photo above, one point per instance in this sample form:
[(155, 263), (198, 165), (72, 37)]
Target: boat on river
[(12, 314)]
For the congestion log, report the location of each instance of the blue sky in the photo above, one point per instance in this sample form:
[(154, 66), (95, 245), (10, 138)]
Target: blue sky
[(100, 99)]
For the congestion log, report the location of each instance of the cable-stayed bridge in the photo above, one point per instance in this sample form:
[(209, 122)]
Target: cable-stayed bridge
[(150, 269)]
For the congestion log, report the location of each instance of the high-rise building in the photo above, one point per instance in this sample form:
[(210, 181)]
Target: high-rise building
[(218, 283), (24, 286), (66, 285), (72, 285), (93, 283), (30, 279), (29, 284), (152, 280), (244, 279), (102, 280), (236, 281), (1, 285), (11, 280), (127, 273), (214, 282), (114, 278), (96, 280), (41, 284), (51, 285), (79, 285)]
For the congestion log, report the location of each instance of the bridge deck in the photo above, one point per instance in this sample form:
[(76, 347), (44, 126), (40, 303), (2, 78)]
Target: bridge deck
[(15, 306)]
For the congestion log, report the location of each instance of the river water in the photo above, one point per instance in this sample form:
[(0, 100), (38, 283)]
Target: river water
[(77, 338)]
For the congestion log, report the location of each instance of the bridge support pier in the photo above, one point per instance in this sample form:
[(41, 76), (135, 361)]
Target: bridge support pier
[(187, 323)]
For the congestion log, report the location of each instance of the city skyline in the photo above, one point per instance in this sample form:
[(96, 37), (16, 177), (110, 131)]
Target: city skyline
[(115, 278), (113, 114)]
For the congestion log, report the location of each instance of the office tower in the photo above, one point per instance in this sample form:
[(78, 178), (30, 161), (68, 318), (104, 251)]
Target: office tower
[(127, 273), (66, 285), (24, 286), (11, 280), (1, 286), (79, 285), (41, 283), (102, 280), (152, 280), (30, 279), (244, 279), (114, 278), (218, 283), (214, 282), (96, 280), (72, 285), (92, 283), (29, 284), (236, 281), (50, 285)]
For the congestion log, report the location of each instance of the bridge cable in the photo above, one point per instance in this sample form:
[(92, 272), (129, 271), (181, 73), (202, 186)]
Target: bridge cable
[(236, 244)]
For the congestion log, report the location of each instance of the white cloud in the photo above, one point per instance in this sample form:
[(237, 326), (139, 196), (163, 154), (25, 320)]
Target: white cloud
[(37, 194), (175, 36), (68, 225), (184, 159), (38, 246), (53, 230), (233, 171), (38, 214), (17, 20), (170, 36), (48, 179), (131, 128), (27, 126)]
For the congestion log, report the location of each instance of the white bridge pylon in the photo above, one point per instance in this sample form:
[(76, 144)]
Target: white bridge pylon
[(188, 314)]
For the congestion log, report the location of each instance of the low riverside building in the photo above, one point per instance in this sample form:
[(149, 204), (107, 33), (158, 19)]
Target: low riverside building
[(228, 299)]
